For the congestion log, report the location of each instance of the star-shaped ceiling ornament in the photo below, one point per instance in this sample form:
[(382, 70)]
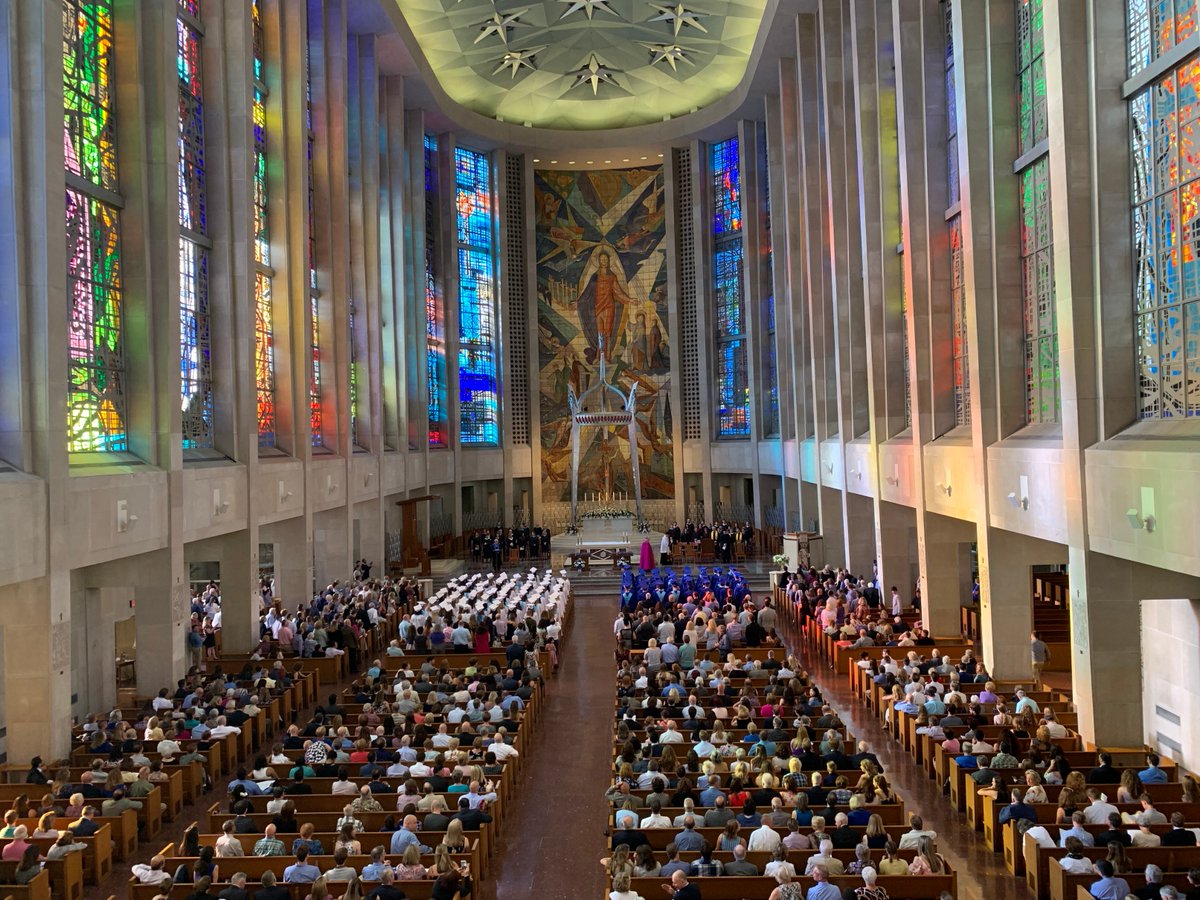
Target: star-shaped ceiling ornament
[(499, 23), (678, 16), (515, 60), (594, 73), (672, 54), (589, 7)]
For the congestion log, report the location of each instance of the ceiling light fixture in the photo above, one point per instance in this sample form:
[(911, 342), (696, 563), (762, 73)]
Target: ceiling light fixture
[(515, 60), (672, 54), (588, 7), (499, 23), (678, 16), (594, 73)]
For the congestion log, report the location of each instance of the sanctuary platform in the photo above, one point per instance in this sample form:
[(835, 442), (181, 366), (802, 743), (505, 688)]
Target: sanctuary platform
[(605, 534)]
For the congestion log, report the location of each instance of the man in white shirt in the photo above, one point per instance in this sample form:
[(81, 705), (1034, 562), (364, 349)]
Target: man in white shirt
[(153, 873), (765, 838), (1098, 810), (502, 750), (671, 735), (825, 858), (656, 819), (220, 730), (1074, 862), (228, 844), (344, 786), (917, 830), (1055, 727)]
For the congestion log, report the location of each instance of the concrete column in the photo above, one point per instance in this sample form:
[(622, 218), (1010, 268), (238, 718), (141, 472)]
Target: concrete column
[(240, 598), (1006, 561), (939, 544), (331, 546), (293, 559), (37, 666), (860, 533), (896, 527), (162, 609), (1106, 651)]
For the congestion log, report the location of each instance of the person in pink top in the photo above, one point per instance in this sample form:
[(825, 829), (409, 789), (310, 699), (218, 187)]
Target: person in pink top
[(15, 849)]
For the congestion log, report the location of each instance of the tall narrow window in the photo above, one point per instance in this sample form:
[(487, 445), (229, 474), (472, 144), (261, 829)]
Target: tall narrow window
[(315, 420), (264, 327), (478, 405), (353, 342), (958, 293), (733, 387), (96, 352), (770, 365), (195, 358), (1166, 211), (435, 314), (1037, 248)]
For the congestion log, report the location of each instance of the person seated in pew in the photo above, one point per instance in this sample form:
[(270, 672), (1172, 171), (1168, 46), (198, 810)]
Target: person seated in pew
[(1179, 836), (386, 890), (926, 861), (680, 888), (268, 844), (824, 857), (1077, 830), (911, 838), (1149, 815), (1116, 832), (1107, 886), (1098, 809), (1152, 889), (1075, 862), (1144, 837), (1152, 774), (154, 873), (228, 844), (869, 890)]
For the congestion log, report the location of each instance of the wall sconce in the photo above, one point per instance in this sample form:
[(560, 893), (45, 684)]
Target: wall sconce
[(220, 507), (1017, 502), (124, 517), (894, 478), (829, 468), (330, 485), (284, 494), (367, 478), (945, 488), (1137, 522), (857, 473)]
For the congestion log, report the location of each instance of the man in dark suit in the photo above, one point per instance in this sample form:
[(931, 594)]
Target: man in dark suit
[(1116, 832), (472, 819), (1104, 773), (843, 836), (237, 888), (1018, 809), (1179, 836)]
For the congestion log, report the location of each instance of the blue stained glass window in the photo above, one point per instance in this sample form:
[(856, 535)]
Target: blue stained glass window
[(479, 396), (435, 313), (729, 308), (727, 188)]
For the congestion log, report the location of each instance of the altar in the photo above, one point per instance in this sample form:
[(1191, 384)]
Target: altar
[(617, 531)]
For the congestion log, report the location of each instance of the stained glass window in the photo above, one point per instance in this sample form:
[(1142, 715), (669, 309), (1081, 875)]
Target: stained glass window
[(952, 185), (1042, 395), (315, 420), (1155, 27), (264, 332), (1031, 75), (958, 325), (733, 388), (770, 367), (96, 360), (478, 404), (1165, 216), (353, 334), (195, 357), (435, 314), (958, 293), (727, 188)]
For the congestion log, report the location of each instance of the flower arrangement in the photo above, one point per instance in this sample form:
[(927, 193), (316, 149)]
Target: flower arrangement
[(608, 512), (780, 559)]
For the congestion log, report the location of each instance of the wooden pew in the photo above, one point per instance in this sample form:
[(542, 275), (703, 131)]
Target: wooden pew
[(97, 858), (66, 874), (414, 890), (1066, 887), (1047, 811), (734, 887), (37, 889), (1038, 861)]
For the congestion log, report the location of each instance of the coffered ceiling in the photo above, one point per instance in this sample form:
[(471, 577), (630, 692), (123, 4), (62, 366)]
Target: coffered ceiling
[(585, 64)]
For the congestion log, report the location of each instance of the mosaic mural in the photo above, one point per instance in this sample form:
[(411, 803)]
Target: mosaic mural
[(602, 287)]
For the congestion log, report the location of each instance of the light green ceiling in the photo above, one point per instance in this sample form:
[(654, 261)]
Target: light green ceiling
[(611, 70)]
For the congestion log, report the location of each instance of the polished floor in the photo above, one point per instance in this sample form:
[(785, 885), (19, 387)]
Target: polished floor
[(554, 839)]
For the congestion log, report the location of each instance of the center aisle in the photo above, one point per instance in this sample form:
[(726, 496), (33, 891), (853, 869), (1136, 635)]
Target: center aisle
[(552, 844), (981, 873)]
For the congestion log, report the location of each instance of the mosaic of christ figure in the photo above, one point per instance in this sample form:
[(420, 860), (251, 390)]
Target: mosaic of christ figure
[(603, 297)]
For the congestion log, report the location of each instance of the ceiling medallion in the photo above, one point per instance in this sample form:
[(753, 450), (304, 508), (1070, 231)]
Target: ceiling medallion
[(589, 7), (594, 73), (518, 59), (678, 16), (499, 23), (672, 54)]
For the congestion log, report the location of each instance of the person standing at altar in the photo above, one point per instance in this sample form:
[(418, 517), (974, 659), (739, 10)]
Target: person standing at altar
[(647, 560), (664, 550)]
